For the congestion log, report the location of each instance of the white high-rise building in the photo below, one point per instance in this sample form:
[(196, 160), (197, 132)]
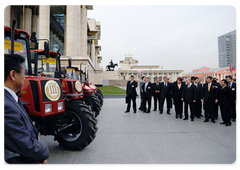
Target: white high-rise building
[(227, 49)]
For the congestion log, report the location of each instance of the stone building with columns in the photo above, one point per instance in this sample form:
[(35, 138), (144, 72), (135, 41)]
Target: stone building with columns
[(68, 30), (129, 66)]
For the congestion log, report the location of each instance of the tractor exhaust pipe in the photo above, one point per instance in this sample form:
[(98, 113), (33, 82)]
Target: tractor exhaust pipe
[(12, 36)]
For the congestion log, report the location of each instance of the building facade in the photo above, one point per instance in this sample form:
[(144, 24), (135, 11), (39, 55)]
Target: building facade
[(218, 73), (68, 30), (227, 49), (129, 66)]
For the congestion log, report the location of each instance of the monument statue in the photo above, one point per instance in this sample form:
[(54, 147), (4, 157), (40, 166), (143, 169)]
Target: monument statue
[(111, 66)]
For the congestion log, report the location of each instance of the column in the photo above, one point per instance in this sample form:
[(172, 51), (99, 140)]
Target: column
[(27, 20), (44, 24), (83, 30), (72, 41), (34, 21), (93, 53), (7, 16)]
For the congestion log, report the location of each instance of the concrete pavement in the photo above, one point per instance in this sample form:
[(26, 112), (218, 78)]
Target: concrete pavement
[(127, 138)]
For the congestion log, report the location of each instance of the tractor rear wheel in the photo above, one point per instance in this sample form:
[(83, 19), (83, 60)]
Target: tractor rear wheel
[(82, 130)]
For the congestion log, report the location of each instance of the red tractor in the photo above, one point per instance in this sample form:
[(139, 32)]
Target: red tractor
[(71, 122), (72, 87)]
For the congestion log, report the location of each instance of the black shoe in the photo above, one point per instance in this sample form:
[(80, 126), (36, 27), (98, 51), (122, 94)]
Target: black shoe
[(144, 111), (216, 118), (140, 109), (198, 116), (147, 111), (213, 121), (126, 111), (185, 118), (169, 113), (192, 120), (177, 117), (155, 110), (228, 124), (206, 120), (234, 120), (134, 112), (223, 123), (161, 112)]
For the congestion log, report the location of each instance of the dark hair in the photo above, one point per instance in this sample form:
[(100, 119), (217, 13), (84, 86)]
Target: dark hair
[(196, 78), (12, 62), (86, 78), (210, 77), (143, 77), (229, 76), (225, 81), (179, 78), (193, 78), (132, 75)]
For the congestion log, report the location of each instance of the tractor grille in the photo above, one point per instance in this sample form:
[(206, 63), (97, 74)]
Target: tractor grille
[(35, 93), (70, 87)]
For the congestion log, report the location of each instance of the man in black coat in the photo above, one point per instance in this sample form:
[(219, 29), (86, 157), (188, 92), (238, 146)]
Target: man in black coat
[(165, 93), (233, 89), (208, 97), (131, 94), (21, 141), (198, 103), (189, 97), (141, 92), (216, 85), (147, 95), (156, 92), (223, 99)]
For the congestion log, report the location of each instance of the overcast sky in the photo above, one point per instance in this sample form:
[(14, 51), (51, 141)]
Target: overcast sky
[(175, 37)]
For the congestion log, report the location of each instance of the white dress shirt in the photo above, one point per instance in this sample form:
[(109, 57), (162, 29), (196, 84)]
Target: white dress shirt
[(12, 93)]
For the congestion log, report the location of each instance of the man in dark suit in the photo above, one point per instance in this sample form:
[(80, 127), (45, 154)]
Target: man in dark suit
[(131, 94), (156, 92), (141, 92), (223, 99), (208, 97), (21, 141), (198, 103), (165, 93), (147, 95), (216, 85), (189, 97), (233, 89)]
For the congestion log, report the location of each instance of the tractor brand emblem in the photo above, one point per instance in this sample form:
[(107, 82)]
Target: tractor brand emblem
[(78, 86), (52, 90)]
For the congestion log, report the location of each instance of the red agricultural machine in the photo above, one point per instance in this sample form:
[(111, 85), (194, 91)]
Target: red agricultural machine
[(71, 122)]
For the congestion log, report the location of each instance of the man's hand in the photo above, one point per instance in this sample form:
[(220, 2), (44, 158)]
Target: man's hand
[(43, 163), (182, 99), (201, 100), (194, 101), (216, 101)]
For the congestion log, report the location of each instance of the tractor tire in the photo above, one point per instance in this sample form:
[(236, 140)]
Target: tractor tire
[(95, 102), (99, 91), (100, 98), (82, 133)]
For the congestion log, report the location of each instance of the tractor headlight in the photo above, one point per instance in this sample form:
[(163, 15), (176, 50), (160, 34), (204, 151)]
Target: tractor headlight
[(60, 106), (48, 108)]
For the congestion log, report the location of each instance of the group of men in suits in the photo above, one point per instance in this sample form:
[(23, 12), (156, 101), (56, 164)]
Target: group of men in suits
[(192, 93)]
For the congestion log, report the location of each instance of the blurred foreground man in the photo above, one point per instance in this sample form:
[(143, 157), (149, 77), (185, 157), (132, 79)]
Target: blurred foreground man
[(131, 94), (22, 144)]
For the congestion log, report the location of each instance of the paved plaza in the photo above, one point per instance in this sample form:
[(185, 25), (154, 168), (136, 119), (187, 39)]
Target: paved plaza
[(127, 138)]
